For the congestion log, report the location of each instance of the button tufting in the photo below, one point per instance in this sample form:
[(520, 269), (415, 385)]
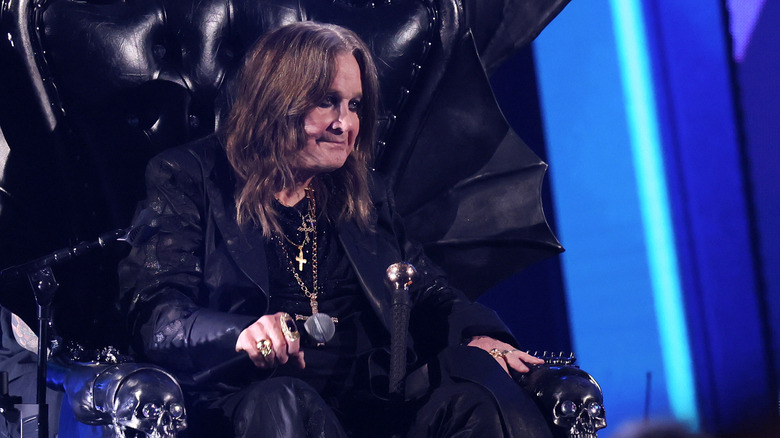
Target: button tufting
[(194, 121), (159, 51)]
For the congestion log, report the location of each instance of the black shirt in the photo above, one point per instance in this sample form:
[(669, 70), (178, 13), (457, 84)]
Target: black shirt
[(331, 368)]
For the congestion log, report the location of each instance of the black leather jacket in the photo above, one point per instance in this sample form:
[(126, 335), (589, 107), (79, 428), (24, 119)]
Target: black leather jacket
[(201, 279)]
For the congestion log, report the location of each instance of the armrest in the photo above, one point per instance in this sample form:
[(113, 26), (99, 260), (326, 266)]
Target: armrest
[(138, 396), (570, 399)]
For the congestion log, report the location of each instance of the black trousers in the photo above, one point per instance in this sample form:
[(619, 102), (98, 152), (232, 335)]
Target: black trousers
[(472, 397), (475, 397), (278, 407)]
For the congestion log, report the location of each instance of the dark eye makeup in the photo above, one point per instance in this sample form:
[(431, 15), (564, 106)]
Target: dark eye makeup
[(330, 101)]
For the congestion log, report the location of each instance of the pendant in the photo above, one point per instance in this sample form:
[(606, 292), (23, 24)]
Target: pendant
[(320, 327), (300, 259)]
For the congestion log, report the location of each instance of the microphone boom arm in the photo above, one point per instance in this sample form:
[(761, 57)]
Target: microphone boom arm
[(40, 274)]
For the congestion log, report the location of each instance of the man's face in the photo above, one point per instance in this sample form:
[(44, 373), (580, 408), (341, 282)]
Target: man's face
[(332, 127)]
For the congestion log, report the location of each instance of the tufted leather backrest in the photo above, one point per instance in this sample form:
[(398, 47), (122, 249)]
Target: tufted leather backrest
[(166, 64), (134, 77), (91, 89)]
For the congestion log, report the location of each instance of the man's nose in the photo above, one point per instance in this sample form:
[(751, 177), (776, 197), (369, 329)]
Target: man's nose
[(345, 118)]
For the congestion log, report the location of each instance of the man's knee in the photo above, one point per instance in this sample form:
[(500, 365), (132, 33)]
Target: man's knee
[(284, 407), (458, 407), (269, 405), (466, 406)]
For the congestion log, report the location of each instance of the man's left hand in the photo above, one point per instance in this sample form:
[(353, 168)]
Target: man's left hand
[(506, 355)]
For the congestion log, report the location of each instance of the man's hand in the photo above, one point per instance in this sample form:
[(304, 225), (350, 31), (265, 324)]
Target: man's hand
[(269, 345), (506, 355)]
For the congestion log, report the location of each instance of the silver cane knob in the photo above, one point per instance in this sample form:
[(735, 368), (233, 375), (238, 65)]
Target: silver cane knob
[(401, 275)]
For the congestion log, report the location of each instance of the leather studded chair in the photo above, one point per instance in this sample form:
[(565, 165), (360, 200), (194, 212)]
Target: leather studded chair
[(91, 89)]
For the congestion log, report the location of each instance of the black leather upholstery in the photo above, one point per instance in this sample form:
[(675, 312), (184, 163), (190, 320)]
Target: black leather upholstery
[(161, 69)]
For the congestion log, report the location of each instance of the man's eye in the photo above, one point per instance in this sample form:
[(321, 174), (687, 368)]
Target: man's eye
[(354, 105), (327, 102)]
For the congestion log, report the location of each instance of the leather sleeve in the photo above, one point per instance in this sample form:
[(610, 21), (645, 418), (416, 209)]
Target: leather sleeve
[(162, 292)]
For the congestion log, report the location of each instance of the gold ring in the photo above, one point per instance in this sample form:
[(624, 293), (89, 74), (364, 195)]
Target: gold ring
[(289, 329), (264, 346), (499, 353)]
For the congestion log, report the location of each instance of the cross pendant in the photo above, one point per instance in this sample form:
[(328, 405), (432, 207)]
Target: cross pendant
[(300, 259)]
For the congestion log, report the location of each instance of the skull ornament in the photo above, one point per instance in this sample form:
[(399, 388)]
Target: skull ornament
[(141, 399), (569, 398)]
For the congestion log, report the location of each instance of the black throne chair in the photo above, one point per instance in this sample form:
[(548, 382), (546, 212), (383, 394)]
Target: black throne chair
[(90, 90)]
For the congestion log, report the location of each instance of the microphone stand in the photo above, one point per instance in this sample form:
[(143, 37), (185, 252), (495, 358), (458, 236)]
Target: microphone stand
[(44, 288), (41, 277)]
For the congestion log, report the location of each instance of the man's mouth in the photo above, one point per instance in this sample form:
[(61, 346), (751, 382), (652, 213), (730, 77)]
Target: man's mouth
[(333, 140)]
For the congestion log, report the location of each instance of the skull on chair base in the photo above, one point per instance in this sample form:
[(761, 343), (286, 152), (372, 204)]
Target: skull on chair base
[(143, 399), (569, 398), (126, 400)]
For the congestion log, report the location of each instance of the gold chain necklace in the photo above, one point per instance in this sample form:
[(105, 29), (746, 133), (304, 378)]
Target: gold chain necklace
[(305, 229), (311, 215), (319, 326)]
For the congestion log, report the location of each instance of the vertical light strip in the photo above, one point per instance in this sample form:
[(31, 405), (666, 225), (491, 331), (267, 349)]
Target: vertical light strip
[(659, 235)]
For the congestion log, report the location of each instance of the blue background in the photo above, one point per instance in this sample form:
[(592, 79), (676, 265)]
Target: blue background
[(660, 125)]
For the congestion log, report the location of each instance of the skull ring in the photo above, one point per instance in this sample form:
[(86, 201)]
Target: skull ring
[(264, 346)]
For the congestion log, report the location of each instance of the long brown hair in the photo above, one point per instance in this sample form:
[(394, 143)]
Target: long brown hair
[(288, 73)]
